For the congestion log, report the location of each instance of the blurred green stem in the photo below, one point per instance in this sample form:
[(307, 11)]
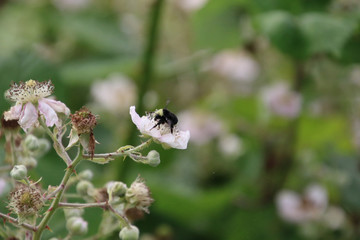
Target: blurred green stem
[(147, 69), (280, 155)]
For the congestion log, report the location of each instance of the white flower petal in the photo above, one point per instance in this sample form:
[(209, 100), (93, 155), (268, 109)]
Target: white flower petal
[(13, 113), (49, 113), (135, 117), (57, 106), (29, 116)]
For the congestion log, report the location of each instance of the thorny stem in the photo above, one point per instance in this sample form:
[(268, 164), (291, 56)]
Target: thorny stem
[(16, 222), (120, 153), (57, 145), (55, 203)]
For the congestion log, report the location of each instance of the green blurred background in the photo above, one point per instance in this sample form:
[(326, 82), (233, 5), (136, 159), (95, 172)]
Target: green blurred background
[(215, 61)]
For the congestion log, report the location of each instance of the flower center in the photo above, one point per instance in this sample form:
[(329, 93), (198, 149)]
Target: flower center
[(30, 91)]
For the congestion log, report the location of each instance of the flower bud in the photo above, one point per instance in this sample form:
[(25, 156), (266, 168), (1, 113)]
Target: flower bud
[(139, 195), (129, 233), (19, 172), (86, 175), (31, 143), (77, 226), (44, 146), (28, 161), (153, 158), (116, 189), (84, 187)]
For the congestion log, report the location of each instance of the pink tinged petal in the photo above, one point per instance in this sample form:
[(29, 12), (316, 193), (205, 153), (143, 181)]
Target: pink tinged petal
[(29, 116), (49, 113), (57, 106), (13, 113), (183, 139)]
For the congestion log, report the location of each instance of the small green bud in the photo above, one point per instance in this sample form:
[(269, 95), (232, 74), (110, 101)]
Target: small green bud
[(86, 175), (129, 233), (116, 189), (19, 172), (153, 158), (77, 225), (31, 143), (84, 187), (28, 161)]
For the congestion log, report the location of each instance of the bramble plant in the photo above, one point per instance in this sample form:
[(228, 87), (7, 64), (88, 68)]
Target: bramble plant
[(31, 207)]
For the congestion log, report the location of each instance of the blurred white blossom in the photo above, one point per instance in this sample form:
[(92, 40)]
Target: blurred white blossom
[(296, 208), (71, 5), (3, 186), (190, 5), (237, 66), (231, 145), (280, 100), (203, 126), (115, 94), (334, 217)]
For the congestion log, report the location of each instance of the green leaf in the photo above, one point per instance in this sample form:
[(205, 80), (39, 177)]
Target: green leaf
[(325, 33), (283, 32)]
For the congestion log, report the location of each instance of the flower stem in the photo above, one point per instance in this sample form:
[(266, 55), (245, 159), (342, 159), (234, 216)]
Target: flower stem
[(59, 148), (16, 222), (120, 153), (55, 203)]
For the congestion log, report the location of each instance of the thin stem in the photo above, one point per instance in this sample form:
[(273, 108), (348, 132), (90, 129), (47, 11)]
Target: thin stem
[(82, 205), (16, 222), (59, 148), (124, 222), (120, 153), (5, 168), (55, 203)]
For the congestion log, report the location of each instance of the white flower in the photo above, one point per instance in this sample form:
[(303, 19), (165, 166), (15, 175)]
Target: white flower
[(299, 209), (162, 134), (30, 98), (236, 66), (334, 217), (203, 126), (190, 5), (231, 145), (115, 94), (280, 100)]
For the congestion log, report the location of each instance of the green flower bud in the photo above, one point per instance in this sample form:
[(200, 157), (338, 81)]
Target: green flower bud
[(86, 175), (84, 187), (19, 172), (129, 233), (28, 161), (116, 189), (153, 158), (77, 225), (44, 146), (31, 143)]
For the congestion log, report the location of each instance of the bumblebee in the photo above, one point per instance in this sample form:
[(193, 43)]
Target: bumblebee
[(165, 116)]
